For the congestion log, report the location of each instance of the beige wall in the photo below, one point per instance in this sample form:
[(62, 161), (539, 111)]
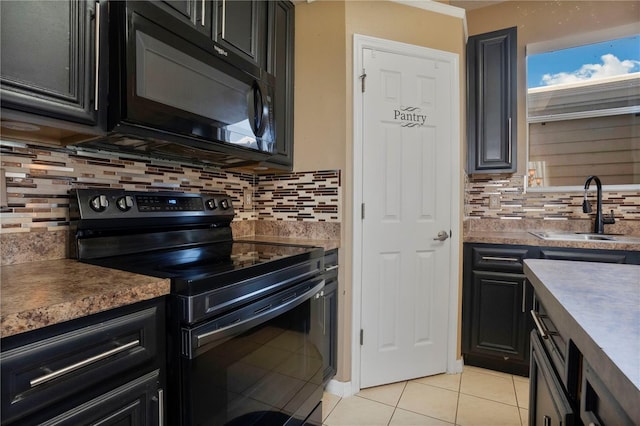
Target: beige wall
[(542, 21), (323, 97)]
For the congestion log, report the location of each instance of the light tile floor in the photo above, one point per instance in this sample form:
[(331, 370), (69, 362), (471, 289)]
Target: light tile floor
[(476, 397)]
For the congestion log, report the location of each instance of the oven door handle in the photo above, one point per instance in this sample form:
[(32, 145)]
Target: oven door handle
[(198, 341)]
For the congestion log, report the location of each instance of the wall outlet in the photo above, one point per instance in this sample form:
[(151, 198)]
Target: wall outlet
[(248, 198), (494, 201)]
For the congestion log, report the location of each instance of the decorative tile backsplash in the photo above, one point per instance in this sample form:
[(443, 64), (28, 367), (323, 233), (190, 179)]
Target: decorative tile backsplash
[(516, 204), (39, 178)]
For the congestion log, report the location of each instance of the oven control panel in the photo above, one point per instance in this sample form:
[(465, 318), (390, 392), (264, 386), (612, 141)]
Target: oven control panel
[(99, 203)]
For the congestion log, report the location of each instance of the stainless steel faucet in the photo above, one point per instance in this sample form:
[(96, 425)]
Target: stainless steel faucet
[(598, 226)]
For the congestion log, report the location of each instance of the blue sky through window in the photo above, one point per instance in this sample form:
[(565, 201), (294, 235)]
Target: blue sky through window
[(613, 57)]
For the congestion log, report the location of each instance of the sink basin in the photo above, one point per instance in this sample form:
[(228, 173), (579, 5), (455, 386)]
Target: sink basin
[(579, 236)]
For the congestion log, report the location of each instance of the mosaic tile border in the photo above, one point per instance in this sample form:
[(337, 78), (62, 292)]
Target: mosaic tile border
[(39, 178), (516, 204)]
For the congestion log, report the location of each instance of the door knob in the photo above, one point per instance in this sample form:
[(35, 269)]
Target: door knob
[(442, 235)]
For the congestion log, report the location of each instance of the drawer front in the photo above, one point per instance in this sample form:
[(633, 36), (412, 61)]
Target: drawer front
[(499, 259), (331, 264), (49, 370), (583, 256)]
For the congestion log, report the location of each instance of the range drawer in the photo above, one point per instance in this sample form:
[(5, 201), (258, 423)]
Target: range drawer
[(48, 370), (499, 259)]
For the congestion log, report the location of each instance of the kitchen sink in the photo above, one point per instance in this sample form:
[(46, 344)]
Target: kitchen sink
[(580, 236)]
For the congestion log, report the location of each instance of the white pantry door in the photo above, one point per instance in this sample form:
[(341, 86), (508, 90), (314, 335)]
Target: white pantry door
[(407, 139)]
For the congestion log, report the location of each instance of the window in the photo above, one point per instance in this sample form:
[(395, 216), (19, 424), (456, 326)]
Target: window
[(583, 111)]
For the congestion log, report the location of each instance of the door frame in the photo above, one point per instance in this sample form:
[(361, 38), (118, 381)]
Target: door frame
[(360, 42)]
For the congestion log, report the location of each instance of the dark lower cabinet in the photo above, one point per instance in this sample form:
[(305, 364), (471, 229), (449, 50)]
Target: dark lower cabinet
[(598, 406), (498, 318), (105, 369), (330, 316), (138, 402), (497, 300), (495, 303), (549, 405)]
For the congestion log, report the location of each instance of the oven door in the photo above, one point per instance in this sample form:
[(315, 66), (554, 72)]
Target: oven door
[(261, 364)]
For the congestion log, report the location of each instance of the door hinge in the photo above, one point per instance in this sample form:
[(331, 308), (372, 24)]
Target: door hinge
[(361, 337), (362, 211), (362, 77)]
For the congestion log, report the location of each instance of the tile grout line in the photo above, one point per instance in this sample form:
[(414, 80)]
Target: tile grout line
[(397, 402)]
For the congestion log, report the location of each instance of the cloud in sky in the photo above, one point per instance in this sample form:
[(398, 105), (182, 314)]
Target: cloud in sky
[(609, 67)]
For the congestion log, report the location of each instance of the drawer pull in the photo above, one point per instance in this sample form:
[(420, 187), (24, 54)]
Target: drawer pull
[(331, 268), (61, 372), (501, 259), (539, 326)]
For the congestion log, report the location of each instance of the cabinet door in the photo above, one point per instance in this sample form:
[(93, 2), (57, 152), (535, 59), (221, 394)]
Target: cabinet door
[(498, 320), (281, 59), (241, 26), (330, 329), (195, 13), (548, 402), (47, 58), (491, 115), (139, 402), (598, 406)]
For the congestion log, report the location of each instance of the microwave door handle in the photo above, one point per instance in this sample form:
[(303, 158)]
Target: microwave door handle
[(253, 109), (262, 112)]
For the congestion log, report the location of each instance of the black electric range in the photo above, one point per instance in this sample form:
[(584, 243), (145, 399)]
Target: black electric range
[(224, 293)]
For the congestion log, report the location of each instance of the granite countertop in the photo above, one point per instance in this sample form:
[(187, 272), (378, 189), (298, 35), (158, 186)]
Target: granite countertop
[(599, 305), (38, 294), (42, 293), (520, 237)]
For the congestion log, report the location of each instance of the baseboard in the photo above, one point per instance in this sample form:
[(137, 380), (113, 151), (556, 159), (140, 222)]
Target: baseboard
[(340, 389)]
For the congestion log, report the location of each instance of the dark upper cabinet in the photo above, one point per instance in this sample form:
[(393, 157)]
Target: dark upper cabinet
[(280, 64), (491, 102), (241, 26), (49, 59), (236, 27), (191, 12)]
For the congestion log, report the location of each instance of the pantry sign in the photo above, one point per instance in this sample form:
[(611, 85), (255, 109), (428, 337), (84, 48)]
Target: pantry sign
[(409, 116)]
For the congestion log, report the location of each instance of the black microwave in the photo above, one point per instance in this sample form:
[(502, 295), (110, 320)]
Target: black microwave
[(174, 97)]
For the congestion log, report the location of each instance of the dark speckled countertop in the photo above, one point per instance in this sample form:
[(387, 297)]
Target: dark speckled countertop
[(38, 294), (525, 238), (599, 307), (41, 293)]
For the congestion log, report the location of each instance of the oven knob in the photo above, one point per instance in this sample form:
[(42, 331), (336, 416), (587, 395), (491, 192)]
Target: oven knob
[(99, 203), (124, 203), (224, 204), (211, 204)]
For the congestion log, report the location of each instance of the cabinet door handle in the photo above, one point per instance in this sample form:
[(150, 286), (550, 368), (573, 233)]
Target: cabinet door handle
[(202, 13), (97, 58), (61, 372), (331, 268), (224, 17), (501, 259), (524, 295), (509, 144), (161, 407), (541, 329)]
